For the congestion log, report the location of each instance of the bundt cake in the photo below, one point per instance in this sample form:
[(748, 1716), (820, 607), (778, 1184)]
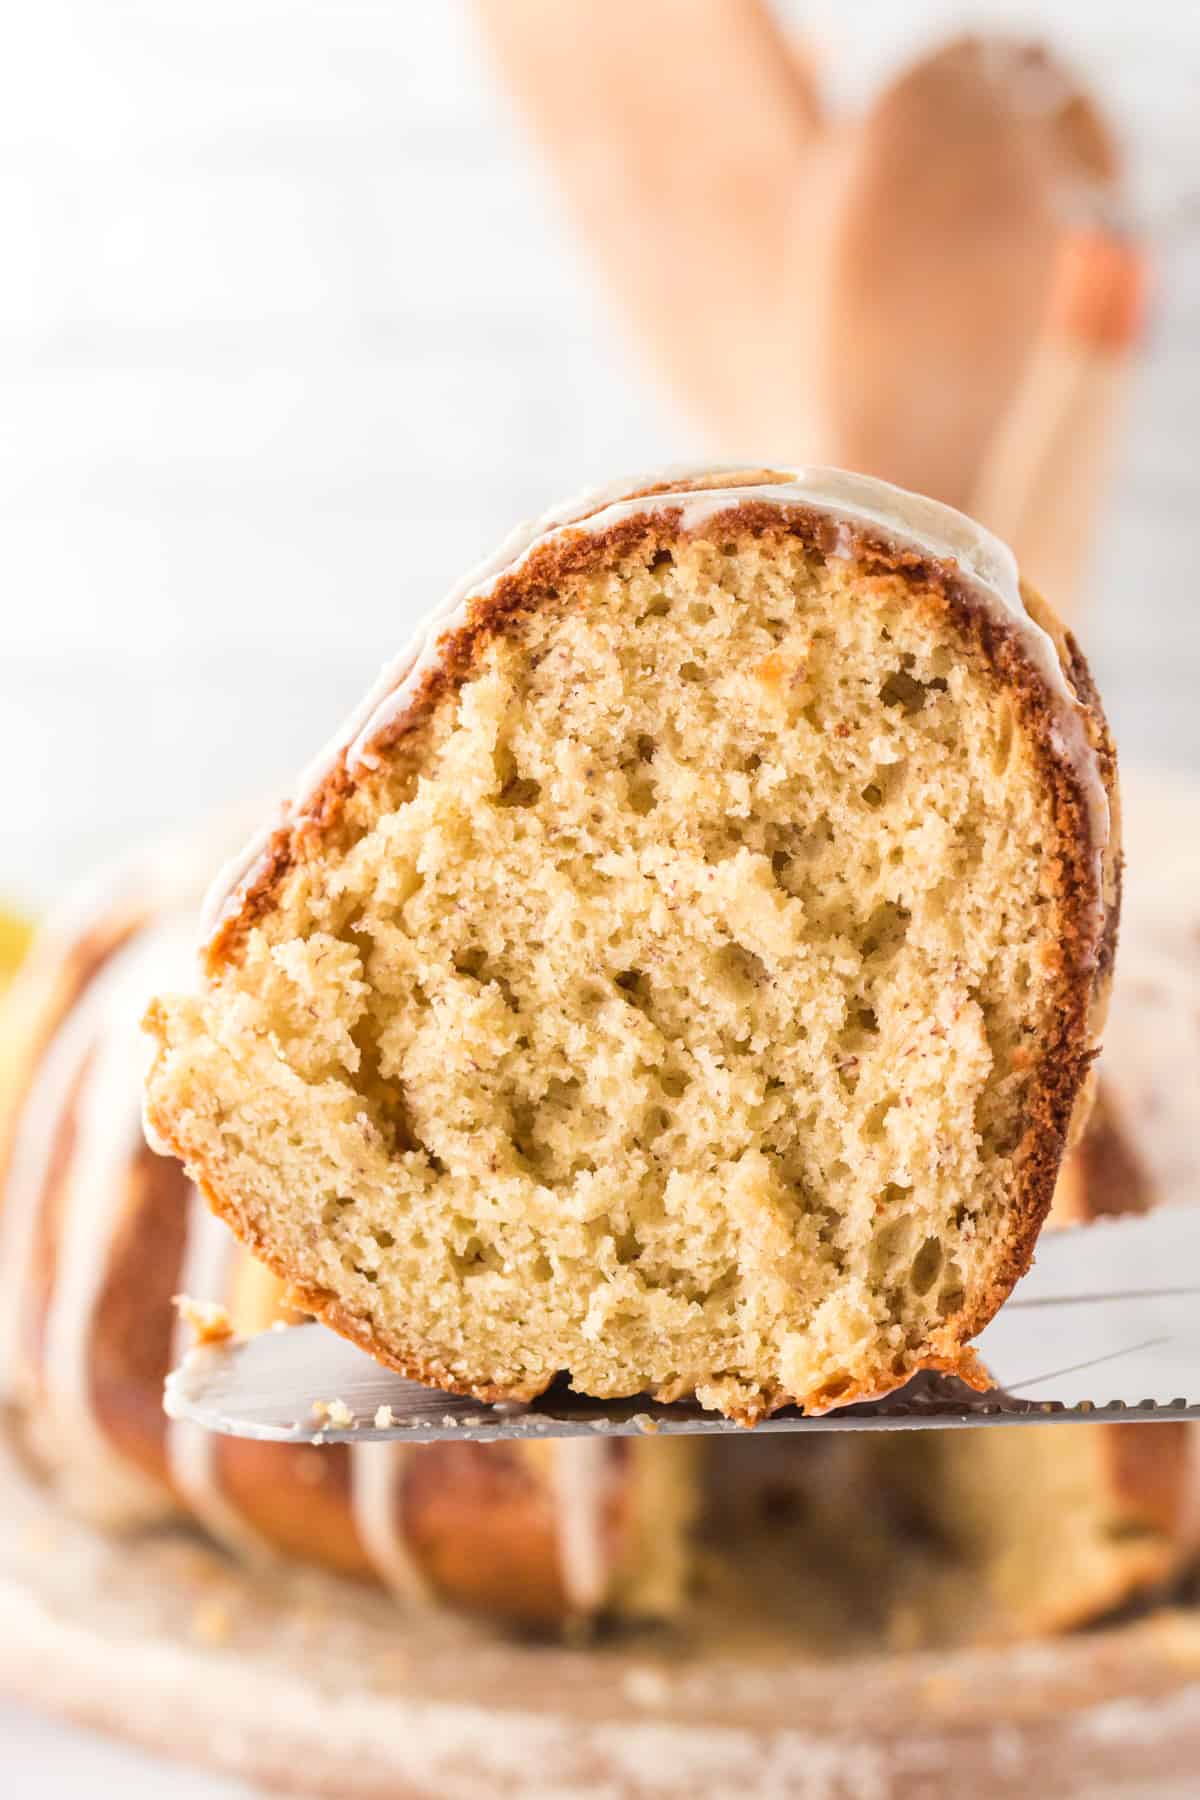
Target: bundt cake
[(847, 1540), (1039, 1531), (937, 1537), (683, 970), (1032, 1532), (97, 1235)]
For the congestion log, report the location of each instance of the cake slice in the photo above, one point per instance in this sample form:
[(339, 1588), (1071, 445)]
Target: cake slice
[(950, 1537), (97, 1236), (682, 973), (1036, 1531)]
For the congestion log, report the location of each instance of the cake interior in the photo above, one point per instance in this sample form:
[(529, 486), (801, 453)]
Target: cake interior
[(668, 1007)]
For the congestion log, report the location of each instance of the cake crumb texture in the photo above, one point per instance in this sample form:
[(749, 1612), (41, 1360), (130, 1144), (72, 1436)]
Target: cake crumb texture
[(207, 1320), (693, 996)]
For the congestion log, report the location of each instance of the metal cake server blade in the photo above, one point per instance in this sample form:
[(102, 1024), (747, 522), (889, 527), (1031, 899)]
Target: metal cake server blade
[(1106, 1324)]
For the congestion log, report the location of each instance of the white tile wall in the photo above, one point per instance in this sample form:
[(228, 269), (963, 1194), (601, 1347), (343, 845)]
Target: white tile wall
[(288, 336), (290, 332)]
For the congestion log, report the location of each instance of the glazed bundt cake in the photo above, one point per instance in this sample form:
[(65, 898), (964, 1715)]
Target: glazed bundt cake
[(848, 1541), (683, 971), (1039, 1531), (98, 1235), (951, 1537)]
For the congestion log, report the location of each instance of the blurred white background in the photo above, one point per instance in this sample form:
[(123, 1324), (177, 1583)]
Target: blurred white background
[(287, 338), (290, 331)]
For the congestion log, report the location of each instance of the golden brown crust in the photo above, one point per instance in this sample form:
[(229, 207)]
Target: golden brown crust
[(512, 1566), (1103, 1175), (134, 1322), (296, 1498), (430, 1371), (478, 1523), (48, 985), (481, 1528), (1059, 1097), (1148, 1472), (43, 993)]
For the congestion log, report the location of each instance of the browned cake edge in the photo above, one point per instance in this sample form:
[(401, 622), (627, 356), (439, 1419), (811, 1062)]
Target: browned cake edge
[(1084, 970), (481, 1526)]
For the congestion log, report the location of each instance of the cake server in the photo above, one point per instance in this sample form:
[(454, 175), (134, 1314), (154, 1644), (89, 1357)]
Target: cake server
[(1106, 1324)]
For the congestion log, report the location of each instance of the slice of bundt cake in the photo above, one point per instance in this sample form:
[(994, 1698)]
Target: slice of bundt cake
[(934, 1534), (97, 1235), (937, 1537), (1029, 1532), (683, 971)]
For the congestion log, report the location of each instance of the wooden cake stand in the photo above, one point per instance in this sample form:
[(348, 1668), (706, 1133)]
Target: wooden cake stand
[(311, 1686)]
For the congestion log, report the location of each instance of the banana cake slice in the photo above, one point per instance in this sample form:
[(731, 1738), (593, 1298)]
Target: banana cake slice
[(683, 971)]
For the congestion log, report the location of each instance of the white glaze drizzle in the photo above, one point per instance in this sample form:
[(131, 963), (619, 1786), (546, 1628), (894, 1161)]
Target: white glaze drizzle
[(105, 1142), (582, 1470), (103, 1025), (210, 1251), (106, 901), (906, 520), (35, 1145), (377, 1477)]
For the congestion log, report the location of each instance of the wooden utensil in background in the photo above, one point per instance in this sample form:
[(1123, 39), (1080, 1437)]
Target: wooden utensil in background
[(1049, 459), (885, 292)]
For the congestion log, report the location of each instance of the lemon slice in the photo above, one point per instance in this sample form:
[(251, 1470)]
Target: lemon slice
[(15, 936)]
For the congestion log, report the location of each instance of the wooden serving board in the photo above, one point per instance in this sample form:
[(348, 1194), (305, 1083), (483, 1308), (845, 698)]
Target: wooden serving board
[(312, 1687)]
